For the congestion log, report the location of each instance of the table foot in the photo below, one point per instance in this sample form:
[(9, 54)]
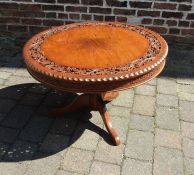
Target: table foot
[(93, 102)]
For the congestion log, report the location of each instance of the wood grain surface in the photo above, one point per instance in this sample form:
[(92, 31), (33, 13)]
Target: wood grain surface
[(95, 47)]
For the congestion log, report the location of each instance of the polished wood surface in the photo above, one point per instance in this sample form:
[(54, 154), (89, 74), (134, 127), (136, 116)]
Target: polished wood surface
[(94, 47), (93, 102)]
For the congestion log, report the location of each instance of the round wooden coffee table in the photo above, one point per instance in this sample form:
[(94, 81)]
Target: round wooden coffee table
[(97, 59)]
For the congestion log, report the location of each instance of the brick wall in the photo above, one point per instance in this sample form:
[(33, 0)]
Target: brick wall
[(174, 19)]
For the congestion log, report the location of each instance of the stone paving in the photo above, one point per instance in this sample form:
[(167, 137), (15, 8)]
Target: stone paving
[(155, 122)]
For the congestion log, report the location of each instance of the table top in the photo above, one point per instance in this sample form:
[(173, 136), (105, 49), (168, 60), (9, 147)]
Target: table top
[(94, 47), (90, 53)]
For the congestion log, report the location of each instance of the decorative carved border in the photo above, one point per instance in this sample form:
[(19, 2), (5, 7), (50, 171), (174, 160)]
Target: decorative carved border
[(155, 55), (97, 87)]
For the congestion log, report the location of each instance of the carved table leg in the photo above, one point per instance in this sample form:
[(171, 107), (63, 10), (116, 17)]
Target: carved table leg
[(93, 102), (106, 118)]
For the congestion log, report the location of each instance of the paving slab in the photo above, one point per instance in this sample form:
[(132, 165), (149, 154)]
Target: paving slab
[(125, 99), (168, 161), (146, 90), (108, 153), (36, 129), (186, 111), (47, 165), (136, 142), (8, 135), (19, 116), (167, 118), (188, 147), (187, 129), (144, 105), (136, 167), (77, 160), (140, 122), (186, 96), (12, 168), (119, 111), (104, 169), (189, 168), (3, 149), (54, 143), (167, 100), (21, 151), (6, 105), (168, 138), (166, 86)]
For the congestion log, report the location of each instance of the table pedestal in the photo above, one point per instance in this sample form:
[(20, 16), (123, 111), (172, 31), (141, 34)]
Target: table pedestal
[(95, 102)]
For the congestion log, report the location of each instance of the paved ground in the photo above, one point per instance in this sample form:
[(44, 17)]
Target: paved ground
[(155, 122)]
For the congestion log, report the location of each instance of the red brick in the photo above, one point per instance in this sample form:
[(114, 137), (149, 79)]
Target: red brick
[(30, 7), (53, 7), (36, 29), (192, 24), (171, 23), (190, 16), (184, 7), (86, 17), (121, 19), (169, 6), (51, 15), (136, 4), (69, 22), (187, 31), (98, 18), (174, 31), (33, 15), (109, 18), (172, 14), (146, 21), (76, 9), (183, 23), (3, 27), (148, 13), (17, 28), (52, 22), (100, 10), (4, 5), (124, 12), (23, 0), (158, 22), (161, 30), (63, 15), (16, 13), (92, 2), (45, 1), (116, 3), (181, 0), (69, 1), (74, 16), (31, 21), (9, 20)]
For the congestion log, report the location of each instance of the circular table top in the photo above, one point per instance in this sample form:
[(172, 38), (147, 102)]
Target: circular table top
[(94, 47), (93, 53)]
